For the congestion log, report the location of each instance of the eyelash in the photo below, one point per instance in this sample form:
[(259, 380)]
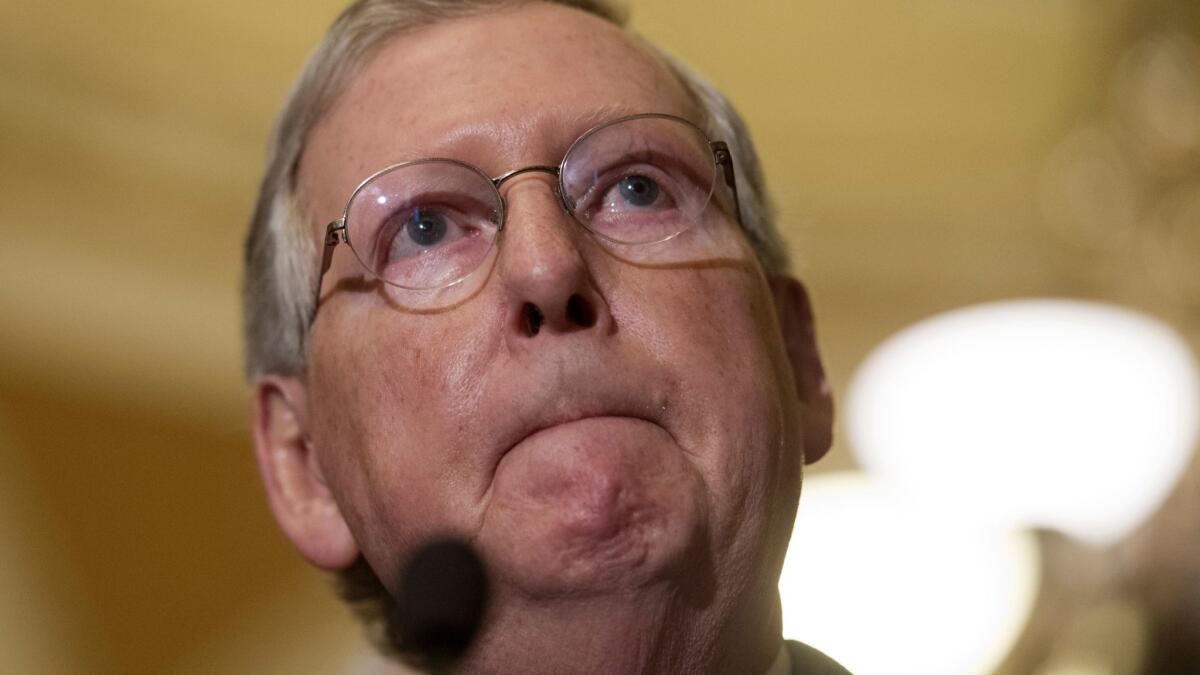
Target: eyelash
[(589, 204)]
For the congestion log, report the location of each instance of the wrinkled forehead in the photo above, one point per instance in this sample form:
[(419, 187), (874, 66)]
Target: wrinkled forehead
[(498, 89)]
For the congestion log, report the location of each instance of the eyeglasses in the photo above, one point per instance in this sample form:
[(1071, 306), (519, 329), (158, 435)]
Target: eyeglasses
[(428, 224)]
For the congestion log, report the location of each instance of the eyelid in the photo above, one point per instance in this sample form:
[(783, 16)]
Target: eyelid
[(608, 179), (665, 158), (427, 200), (459, 222)]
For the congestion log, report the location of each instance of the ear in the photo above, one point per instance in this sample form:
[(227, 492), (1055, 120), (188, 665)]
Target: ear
[(800, 339), (296, 489)]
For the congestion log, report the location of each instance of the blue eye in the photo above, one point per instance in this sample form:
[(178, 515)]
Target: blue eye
[(638, 190), (426, 229)]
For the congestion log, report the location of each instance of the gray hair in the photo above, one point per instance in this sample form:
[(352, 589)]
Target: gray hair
[(281, 254)]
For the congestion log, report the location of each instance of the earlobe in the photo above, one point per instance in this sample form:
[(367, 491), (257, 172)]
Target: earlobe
[(296, 490), (799, 337)]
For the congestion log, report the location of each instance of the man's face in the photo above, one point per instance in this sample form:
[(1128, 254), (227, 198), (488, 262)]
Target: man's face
[(652, 421)]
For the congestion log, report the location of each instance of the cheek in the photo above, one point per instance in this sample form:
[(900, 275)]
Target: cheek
[(388, 403), (717, 332), (352, 406), (396, 376)]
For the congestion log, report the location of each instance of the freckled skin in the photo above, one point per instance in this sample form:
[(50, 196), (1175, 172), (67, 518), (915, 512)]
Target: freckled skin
[(692, 471)]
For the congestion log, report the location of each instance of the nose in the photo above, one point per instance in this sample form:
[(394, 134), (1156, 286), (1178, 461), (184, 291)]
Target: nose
[(543, 266)]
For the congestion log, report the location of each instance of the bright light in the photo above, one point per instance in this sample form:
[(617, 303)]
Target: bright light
[(1072, 415), (892, 587)]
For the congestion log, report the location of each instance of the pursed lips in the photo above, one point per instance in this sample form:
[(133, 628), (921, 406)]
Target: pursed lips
[(568, 418), (559, 389), (567, 410)]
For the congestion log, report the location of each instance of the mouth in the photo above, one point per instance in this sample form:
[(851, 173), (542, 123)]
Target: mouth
[(554, 393), (569, 420), (562, 419), (562, 413)]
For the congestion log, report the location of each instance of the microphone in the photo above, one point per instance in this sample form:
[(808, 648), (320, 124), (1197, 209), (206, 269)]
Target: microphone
[(440, 603)]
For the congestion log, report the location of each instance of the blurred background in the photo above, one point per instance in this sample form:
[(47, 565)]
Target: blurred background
[(926, 156)]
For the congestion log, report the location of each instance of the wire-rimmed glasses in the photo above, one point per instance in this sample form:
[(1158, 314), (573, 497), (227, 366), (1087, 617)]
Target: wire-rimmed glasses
[(430, 223)]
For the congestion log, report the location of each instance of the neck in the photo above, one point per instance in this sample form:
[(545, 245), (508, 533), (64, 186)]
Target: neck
[(630, 632)]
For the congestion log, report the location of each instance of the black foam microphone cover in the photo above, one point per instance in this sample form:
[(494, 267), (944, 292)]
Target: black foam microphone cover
[(440, 602)]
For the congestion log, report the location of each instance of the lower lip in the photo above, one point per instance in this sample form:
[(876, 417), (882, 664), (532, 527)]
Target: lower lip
[(590, 437), (589, 428)]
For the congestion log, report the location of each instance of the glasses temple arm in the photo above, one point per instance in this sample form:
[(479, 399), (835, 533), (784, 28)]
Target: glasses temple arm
[(335, 232), (725, 159)]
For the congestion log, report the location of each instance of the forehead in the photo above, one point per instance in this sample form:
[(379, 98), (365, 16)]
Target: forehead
[(498, 89)]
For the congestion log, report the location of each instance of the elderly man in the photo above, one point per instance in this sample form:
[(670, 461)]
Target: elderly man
[(512, 278)]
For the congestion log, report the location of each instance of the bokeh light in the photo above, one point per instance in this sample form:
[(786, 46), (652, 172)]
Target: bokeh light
[(890, 586), (1071, 415)]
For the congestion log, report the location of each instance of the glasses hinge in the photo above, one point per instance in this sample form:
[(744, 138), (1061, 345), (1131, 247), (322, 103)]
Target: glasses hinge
[(336, 228), (721, 152)]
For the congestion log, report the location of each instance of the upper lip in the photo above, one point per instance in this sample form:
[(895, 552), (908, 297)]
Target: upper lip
[(577, 396), (576, 407)]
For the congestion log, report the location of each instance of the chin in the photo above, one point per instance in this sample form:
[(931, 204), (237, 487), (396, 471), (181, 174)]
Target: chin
[(597, 506), (574, 559)]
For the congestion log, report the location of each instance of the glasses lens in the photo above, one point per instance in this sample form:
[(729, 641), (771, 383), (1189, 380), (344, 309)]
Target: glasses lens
[(640, 180), (425, 224)]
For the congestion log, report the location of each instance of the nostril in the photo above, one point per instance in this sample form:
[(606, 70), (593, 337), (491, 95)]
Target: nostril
[(533, 319), (581, 312)]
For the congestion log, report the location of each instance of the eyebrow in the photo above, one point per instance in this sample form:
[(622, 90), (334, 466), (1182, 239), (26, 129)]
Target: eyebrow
[(587, 119)]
